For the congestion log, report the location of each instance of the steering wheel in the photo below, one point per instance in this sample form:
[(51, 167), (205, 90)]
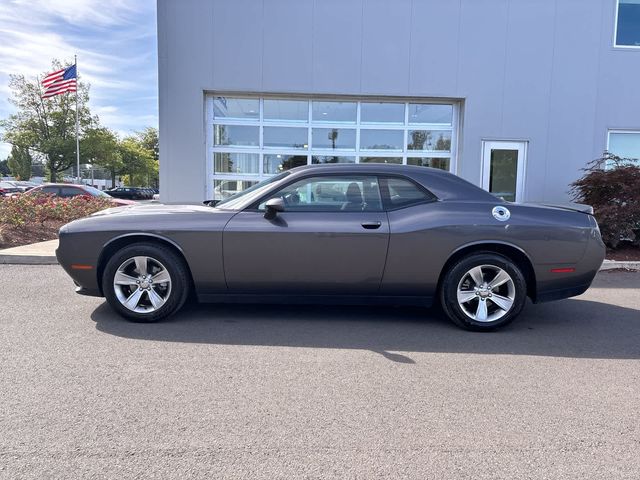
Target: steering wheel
[(290, 199)]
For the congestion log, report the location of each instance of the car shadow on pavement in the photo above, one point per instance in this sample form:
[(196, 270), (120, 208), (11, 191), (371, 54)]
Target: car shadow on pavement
[(568, 328)]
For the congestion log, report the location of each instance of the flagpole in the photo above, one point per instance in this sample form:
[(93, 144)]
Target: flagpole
[(75, 60)]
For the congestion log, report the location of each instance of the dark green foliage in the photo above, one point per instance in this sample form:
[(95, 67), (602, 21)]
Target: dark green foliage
[(19, 162)]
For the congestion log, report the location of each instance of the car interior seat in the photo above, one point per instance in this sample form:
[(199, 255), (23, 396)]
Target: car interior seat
[(354, 197)]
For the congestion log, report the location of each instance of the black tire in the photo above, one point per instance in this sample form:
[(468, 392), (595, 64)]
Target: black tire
[(175, 266), (458, 272)]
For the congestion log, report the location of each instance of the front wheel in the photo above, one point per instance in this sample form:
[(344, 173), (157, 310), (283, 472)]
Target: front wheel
[(483, 291), (145, 282)]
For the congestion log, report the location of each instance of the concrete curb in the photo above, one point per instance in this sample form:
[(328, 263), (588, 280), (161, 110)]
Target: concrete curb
[(39, 253), (11, 259), (622, 265)]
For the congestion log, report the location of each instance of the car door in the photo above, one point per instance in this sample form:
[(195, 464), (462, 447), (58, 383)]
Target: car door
[(331, 238), (414, 257)]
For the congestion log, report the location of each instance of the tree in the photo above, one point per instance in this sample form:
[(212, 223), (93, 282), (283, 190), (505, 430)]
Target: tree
[(4, 168), (292, 161), (149, 139), (46, 126), (138, 164), (443, 143), (20, 162), (100, 147), (418, 139)]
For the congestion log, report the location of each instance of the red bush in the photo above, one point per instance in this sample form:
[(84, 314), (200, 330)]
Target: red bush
[(29, 210), (611, 185)]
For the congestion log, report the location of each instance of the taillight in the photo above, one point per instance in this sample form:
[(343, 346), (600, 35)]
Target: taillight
[(596, 228)]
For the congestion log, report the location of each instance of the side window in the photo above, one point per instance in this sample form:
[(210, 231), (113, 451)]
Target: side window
[(400, 193), (70, 192), (49, 190), (353, 193)]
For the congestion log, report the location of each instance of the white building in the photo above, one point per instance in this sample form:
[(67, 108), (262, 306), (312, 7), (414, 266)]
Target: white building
[(515, 96)]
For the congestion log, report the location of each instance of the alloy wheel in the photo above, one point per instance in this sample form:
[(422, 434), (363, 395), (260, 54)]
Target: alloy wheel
[(142, 284), (486, 293)]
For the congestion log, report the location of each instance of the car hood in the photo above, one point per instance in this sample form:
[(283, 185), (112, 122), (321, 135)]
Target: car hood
[(152, 209), (152, 218)]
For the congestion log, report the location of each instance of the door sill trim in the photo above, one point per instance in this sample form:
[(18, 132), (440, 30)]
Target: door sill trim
[(423, 301)]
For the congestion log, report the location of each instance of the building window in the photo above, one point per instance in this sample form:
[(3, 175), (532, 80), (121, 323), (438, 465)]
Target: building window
[(250, 138), (628, 24), (624, 144)]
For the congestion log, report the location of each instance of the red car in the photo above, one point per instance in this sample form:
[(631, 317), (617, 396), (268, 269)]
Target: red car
[(70, 190)]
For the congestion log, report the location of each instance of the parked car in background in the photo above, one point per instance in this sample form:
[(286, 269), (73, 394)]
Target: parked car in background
[(130, 193), (70, 190), (22, 185), (7, 189)]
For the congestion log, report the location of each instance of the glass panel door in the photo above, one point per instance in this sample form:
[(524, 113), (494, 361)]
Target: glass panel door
[(503, 169), (250, 138)]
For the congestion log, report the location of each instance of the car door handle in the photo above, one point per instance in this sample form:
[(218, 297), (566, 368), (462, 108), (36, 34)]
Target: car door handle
[(371, 225)]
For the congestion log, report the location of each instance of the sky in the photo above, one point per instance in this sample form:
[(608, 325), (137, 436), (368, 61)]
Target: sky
[(115, 41)]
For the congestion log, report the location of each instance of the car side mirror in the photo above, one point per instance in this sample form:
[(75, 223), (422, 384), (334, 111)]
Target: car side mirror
[(272, 207)]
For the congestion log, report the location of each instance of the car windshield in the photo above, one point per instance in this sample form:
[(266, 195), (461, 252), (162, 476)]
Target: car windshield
[(95, 192), (249, 194)]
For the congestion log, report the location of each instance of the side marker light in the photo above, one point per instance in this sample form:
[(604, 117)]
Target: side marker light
[(76, 266)]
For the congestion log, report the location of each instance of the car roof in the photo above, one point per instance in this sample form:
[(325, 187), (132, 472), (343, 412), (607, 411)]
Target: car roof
[(61, 185), (373, 167), (443, 184)]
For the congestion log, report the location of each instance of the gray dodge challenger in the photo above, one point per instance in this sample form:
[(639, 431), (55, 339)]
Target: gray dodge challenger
[(362, 234)]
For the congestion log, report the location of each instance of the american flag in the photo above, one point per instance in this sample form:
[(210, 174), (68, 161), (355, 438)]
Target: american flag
[(60, 82)]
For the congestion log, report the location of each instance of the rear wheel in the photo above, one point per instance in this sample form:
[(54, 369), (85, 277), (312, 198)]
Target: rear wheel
[(483, 291), (145, 282)]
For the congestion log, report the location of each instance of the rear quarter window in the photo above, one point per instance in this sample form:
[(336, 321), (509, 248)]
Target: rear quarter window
[(400, 193)]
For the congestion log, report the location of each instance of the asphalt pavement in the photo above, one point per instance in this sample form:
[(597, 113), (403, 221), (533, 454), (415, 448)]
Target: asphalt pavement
[(233, 391)]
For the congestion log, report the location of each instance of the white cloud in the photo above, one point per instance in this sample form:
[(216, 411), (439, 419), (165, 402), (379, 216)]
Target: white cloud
[(98, 12)]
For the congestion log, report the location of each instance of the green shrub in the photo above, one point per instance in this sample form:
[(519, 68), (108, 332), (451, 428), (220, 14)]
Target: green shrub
[(29, 210), (611, 185)]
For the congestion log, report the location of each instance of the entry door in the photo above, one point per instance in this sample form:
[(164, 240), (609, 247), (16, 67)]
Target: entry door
[(503, 169), (332, 237)]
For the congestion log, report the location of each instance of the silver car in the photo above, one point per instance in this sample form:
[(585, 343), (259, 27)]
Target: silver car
[(363, 234)]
